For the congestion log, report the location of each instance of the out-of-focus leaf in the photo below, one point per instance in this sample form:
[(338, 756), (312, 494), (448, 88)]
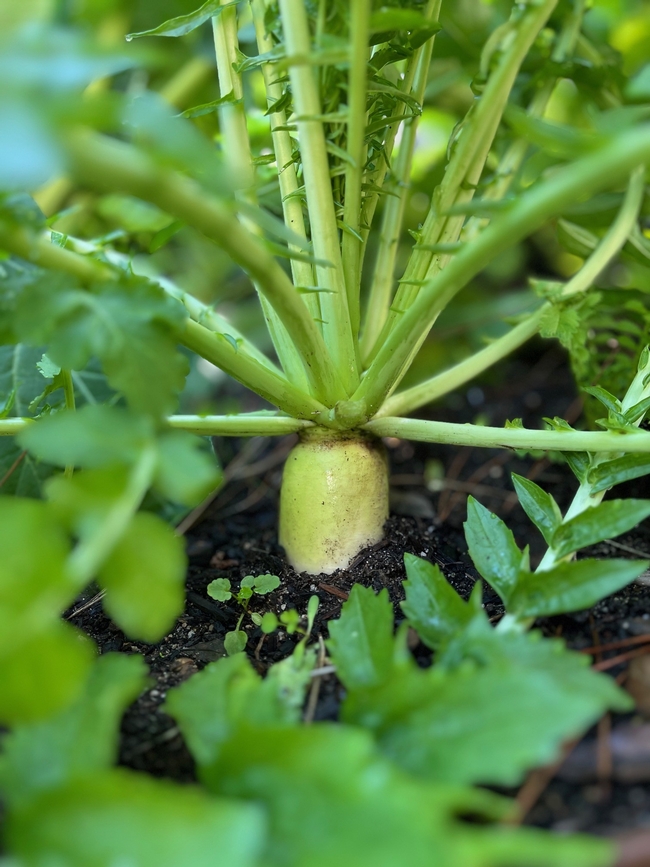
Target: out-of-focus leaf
[(434, 609), (225, 695), (54, 660), (144, 578), (133, 214), (186, 471), (120, 817), (604, 521), (94, 436), (80, 740), (361, 640), (174, 141), (100, 435), (638, 88), (29, 154), (35, 647), (57, 59), (330, 798), (131, 326)]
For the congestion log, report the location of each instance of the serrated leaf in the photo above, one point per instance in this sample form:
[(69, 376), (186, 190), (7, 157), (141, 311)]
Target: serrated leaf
[(605, 475), (572, 586), (331, 798), (21, 381), (490, 723), (94, 436), (131, 326), (144, 578), (493, 549), (540, 507), (608, 400), (122, 817), (361, 640), (184, 24), (604, 521), (81, 739), (186, 471), (432, 606), (226, 694)]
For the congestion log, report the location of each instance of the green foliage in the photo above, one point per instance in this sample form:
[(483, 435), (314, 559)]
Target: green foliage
[(36, 648), (566, 586), (130, 326), (120, 815), (79, 741), (219, 589), (287, 166), (493, 549), (146, 566), (327, 793), (473, 722)]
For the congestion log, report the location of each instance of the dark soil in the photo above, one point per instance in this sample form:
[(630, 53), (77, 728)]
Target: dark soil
[(604, 785)]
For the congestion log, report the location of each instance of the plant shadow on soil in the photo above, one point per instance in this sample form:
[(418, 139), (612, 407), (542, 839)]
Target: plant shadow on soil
[(603, 786)]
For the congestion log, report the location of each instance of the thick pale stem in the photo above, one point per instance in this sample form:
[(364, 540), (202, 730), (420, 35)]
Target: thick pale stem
[(583, 178), (395, 204), (334, 500), (470, 152), (337, 327), (411, 399), (611, 244), (509, 438), (302, 272), (104, 163), (237, 151), (356, 123)]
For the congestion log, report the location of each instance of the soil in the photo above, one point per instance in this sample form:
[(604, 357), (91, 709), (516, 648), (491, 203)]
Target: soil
[(602, 787)]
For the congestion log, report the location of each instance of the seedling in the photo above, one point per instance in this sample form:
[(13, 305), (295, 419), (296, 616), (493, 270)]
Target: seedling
[(219, 589), (290, 620)]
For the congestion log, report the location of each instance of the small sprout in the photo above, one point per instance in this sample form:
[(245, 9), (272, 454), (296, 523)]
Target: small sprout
[(312, 610), (219, 589), (290, 620), (266, 584), (235, 642), (269, 623)]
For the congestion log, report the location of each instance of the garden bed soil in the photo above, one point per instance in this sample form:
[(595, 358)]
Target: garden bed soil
[(602, 787)]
